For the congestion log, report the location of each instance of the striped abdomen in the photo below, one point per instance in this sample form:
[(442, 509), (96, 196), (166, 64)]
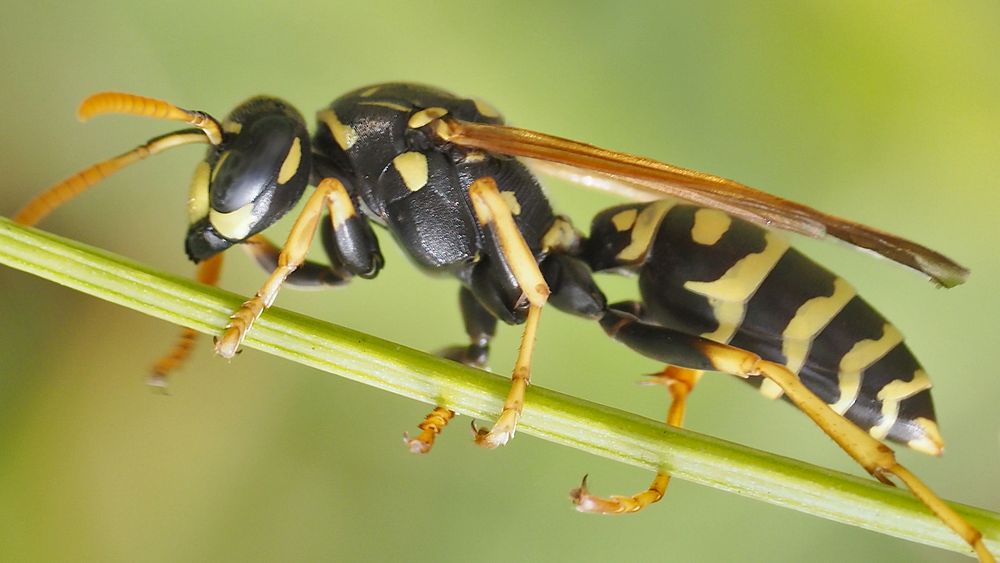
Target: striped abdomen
[(706, 273)]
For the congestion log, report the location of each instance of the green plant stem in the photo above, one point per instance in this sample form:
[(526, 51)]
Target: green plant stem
[(549, 415)]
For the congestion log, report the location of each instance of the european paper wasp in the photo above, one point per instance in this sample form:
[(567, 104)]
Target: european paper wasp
[(442, 175)]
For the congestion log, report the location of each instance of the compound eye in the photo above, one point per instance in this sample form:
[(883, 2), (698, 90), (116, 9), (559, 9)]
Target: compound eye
[(265, 154)]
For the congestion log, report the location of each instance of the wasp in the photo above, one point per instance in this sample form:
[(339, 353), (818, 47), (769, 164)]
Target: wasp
[(445, 177)]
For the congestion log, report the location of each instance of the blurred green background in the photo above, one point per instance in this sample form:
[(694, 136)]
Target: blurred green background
[(882, 112)]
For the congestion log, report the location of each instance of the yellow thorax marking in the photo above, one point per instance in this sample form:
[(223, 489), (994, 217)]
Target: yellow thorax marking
[(412, 167), (345, 135)]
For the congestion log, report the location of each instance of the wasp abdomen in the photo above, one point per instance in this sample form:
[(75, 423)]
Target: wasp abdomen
[(708, 274)]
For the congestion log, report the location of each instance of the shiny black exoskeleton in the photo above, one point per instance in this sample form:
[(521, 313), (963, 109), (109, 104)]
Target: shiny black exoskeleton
[(378, 143)]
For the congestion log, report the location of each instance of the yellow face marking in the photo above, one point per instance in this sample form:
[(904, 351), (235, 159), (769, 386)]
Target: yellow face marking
[(623, 220), (218, 164), (291, 163), (230, 126), (560, 236), (770, 389), (370, 91), (510, 198), (932, 443), (425, 116), (857, 359), (234, 225), (646, 226), (390, 105), (809, 320), (891, 395), (197, 203), (412, 167), (485, 109), (709, 226), (345, 135)]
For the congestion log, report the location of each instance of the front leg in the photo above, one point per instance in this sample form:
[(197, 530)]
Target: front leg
[(330, 194)]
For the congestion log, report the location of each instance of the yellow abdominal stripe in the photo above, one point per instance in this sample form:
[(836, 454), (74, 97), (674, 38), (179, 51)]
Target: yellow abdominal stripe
[(857, 359), (729, 294)]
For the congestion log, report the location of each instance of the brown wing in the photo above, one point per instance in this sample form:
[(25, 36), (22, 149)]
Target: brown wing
[(649, 179)]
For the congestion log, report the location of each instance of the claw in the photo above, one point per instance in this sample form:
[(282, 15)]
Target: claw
[(658, 378), (492, 440), (585, 502), (417, 445), (465, 355), (432, 425), (158, 383), (227, 345), (501, 433), (617, 504), (578, 494)]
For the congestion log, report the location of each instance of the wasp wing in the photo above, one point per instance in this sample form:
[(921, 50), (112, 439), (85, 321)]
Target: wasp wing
[(643, 178)]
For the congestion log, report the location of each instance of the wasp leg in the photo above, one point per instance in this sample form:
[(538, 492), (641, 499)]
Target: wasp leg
[(493, 213), (47, 201), (679, 382), (310, 275), (432, 425), (480, 325), (668, 345), (207, 273), (329, 193)]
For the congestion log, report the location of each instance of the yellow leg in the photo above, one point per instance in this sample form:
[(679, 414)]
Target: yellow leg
[(330, 193), (208, 273), (432, 425), (877, 458), (679, 382), (491, 210), (505, 426)]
